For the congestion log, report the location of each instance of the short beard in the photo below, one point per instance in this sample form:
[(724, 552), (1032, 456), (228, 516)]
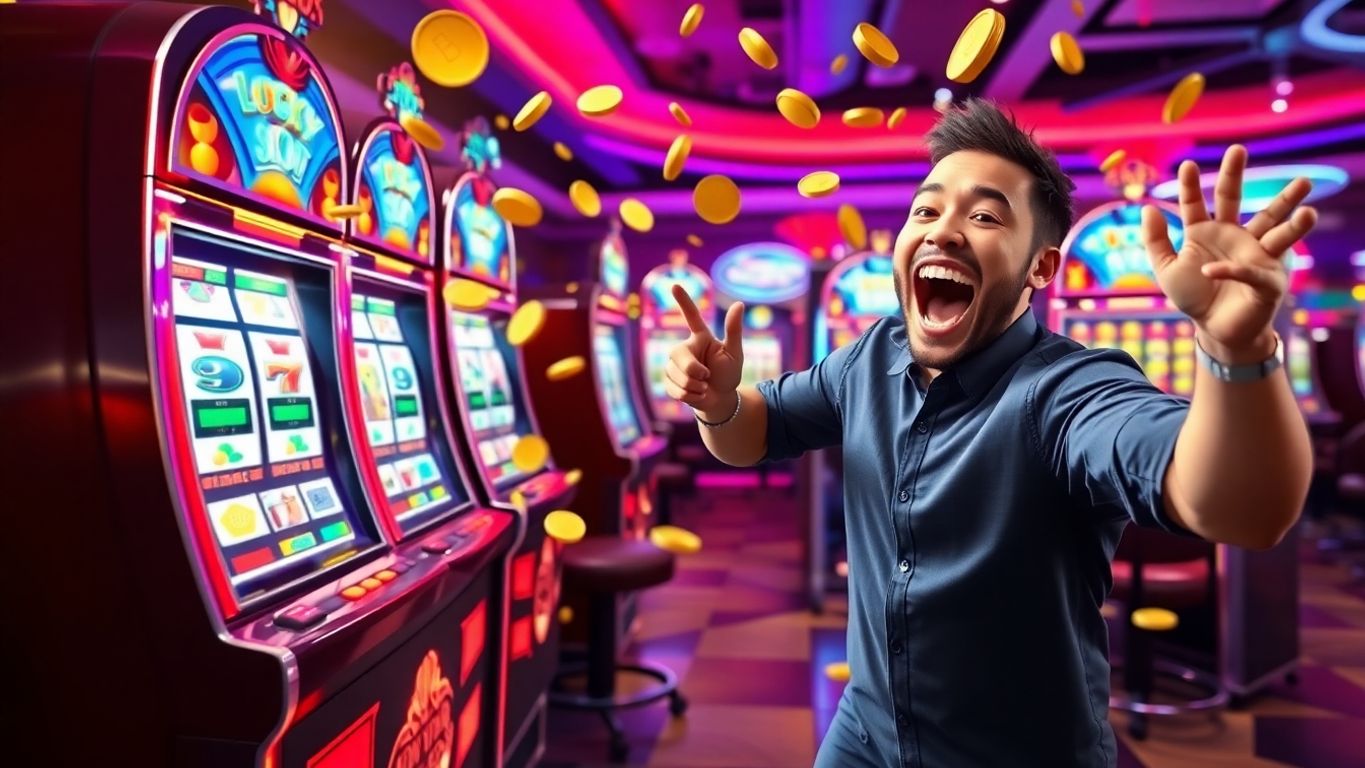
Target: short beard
[(985, 330)]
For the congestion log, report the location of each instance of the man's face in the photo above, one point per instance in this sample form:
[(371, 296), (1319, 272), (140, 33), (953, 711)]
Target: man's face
[(963, 258)]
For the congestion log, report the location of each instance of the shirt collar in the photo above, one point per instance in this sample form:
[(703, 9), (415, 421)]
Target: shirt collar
[(979, 371)]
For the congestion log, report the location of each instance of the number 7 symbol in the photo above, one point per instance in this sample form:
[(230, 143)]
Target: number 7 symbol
[(287, 373)]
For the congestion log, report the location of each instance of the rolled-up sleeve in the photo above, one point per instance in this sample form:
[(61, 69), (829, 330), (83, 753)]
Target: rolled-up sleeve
[(1108, 435), (804, 410)]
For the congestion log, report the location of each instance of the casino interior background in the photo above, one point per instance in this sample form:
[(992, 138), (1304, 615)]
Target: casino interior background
[(729, 584)]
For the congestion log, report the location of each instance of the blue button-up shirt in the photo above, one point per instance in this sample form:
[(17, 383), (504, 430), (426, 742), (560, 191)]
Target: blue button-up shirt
[(982, 513)]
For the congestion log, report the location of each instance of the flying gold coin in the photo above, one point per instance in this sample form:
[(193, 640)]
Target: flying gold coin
[(345, 211), (1114, 158), (875, 46), (501, 122), (585, 199), (565, 527), (450, 48), (572, 477), (716, 199), (837, 671), (897, 117), (467, 294), (567, 368), (422, 132), (525, 323), (534, 109), (1183, 98), (677, 157), (1078, 8), (675, 109), (837, 66), (679, 541), (563, 152), (1067, 53), (518, 500), (636, 215), (799, 109), (851, 226), (599, 101), (757, 49), (691, 19), (694, 241), (517, 206), (818, 184), (976, 46), (530, 453), (565, 614), (862, 117)]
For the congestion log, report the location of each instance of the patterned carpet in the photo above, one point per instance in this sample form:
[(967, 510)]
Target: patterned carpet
[(734, 627)]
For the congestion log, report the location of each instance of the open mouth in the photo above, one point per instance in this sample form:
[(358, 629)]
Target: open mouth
[(943, 294)]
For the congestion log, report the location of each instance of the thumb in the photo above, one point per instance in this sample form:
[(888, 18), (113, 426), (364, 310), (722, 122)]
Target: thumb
[(734, 329)]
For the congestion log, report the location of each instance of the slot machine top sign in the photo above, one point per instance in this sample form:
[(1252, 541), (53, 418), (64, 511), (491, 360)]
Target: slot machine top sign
[(256, 117), (766, 273), (478, 238), (1104, 253)]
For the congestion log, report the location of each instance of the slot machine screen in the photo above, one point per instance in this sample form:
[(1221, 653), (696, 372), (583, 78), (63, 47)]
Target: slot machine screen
[(1162, 344), (611, 372), (657, 349), (491, 386), (1298, 358), (402, 423), (862, 295), (762, 358), (281, 503)]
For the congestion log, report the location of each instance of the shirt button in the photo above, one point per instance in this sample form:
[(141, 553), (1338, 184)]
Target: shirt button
[(905, 566), (922, 426), (905, 496), (902, 720), (896, 648)]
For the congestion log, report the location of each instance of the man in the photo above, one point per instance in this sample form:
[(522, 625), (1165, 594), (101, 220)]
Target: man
[(990, 466)]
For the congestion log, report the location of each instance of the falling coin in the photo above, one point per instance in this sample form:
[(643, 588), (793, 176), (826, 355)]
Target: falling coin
[(837, 671), (863, 117), (518, 207), (757, 49), (716, 199), (1183, 98), (875, 46), (530, 453), (837, 66), (1114, 158), (851, 226), (636, 215), (345, 211), (565, 527), (675, 109), (1067, 53), (563, 152), (1078, 8), (599, 101), (525, 323), (691, 19), (677, 157), (679, 541), (565, 369), (694, 241), (565, 614), (976, 46), (572, 477), (467, 294), (518, 500), (422, 132), (799, 109), (818, 184), (585, 199), (534, 109), (501, 122), (897, 117), (450, 48)]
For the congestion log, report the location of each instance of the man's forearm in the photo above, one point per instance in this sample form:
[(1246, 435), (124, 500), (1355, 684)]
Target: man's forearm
[(744, 441), (1243, 460)]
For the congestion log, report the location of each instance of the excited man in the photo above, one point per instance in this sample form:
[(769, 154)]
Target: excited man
[(990, 465)]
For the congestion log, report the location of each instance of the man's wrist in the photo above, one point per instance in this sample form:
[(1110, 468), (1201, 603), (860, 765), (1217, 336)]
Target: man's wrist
[(722, 410), (1258, 350)]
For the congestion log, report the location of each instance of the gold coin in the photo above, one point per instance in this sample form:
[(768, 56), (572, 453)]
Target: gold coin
[(976, 46), (837, 671), (674, 539), (565, 614), (599, 101), (694, 241), (585, 199), (422, 132), (518, 207), (691, 19), (875, 46), (757, 49), (345, 211), (530, 453), (565, 527), (518, 500), (799, 109), (563, 152), (450, 48), (1182, 98), (677, 157), (837, 66), (716, 199), (572, 477), (851, 226), (1067, 53), (565, 369), (467, 294), (675, 109), (862, 117), (636, 215), (534, 109), (818, 184), (897, 117), (501, 122), (1078, 8), (1114, 158), (525, 323)]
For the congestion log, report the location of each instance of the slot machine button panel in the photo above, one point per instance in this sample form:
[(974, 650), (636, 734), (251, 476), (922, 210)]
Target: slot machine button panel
[(371, 584), (386, 575), (299, 617), (354, 592)]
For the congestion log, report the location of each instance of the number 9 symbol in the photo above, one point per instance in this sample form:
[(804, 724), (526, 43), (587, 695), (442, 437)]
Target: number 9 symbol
[(402, 378), (216, 374)]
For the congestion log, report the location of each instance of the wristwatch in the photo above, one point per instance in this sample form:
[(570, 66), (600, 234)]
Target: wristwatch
[(1241, 373)]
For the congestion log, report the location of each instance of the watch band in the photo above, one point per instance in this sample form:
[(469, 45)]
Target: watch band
[(1240, 373)]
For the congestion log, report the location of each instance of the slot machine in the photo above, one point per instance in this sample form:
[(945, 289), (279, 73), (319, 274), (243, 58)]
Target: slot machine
[(1298, 325), (248, 599), (663, 327), (487, 380), (769, 278)]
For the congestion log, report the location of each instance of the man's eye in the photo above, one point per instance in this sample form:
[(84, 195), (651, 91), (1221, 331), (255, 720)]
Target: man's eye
[(922, 211), (985, 217)]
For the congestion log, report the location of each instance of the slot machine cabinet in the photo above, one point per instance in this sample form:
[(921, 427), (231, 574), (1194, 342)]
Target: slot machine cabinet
[(225, 574), (486, 379)]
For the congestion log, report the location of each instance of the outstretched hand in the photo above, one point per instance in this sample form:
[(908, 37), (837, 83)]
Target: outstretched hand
[(704, 371), (1228, 278)]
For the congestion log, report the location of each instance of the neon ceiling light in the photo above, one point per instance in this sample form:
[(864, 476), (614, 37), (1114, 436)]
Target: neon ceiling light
[(1260, 185), (1314, 29)]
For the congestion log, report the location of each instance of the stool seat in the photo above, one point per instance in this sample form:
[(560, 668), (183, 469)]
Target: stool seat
[(1170, 585), (609, 563)]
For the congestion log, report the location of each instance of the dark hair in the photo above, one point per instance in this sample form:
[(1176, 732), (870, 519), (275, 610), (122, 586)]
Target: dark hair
[(980, 125)]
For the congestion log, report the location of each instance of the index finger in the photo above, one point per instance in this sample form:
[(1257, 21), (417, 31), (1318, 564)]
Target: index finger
[(695, 323)]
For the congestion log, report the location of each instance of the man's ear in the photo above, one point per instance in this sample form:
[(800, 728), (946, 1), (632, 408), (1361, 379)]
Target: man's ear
[(1045, 268)]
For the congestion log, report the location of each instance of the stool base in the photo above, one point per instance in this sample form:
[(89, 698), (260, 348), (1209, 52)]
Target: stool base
[(667, 687)]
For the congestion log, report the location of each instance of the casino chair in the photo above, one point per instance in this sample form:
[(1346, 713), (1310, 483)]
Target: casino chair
[(604, 567), (1157, 576)]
